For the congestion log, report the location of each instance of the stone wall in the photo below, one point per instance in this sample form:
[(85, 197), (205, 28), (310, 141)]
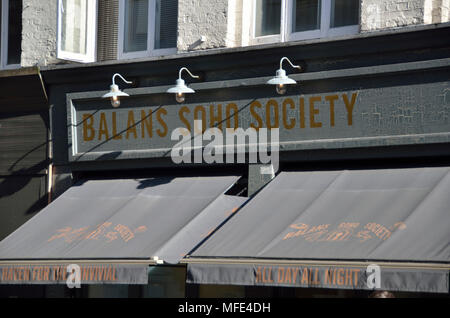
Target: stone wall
[(39, 30), (213, 24), (202, 18), (386, 14)]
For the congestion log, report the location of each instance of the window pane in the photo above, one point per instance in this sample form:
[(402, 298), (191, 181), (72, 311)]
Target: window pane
[(74, 19), (268, 17), (136, 25), (14, 32), (306, 15), (344, 12), (166, 24)]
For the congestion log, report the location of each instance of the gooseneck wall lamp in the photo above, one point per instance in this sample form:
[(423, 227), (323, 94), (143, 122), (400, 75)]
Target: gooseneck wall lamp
[(115, 93), (180, 89), (281, 79)]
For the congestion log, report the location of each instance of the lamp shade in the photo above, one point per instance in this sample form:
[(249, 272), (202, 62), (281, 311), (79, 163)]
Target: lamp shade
[(180, 88), (114, 92), (281, 78)]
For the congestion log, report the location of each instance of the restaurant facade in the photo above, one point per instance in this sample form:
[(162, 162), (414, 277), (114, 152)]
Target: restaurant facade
[(337, 187)]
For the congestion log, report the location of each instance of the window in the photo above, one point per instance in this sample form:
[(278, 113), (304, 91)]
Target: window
[(77, 26), (267, 17), (147, 28), (90, 30), (289, 20), (10, 33)]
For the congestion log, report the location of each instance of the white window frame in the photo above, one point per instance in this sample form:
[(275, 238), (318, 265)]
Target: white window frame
[(4, 37), (286, 21), (91, 42), (253, 39), (151, 34)]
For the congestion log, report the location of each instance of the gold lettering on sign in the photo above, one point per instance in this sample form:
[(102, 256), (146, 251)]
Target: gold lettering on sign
[(349, 106), (105, 231), (255, 115), (302, 112), (229, 108), (345, 231), (88, 130), (183, 119), (331, 99), (159, 113), (272, 108), (314, 111), (103, 129), (311, 112), (291, 123), (200, 114), (131, 125), (146, 124), (215, 120)]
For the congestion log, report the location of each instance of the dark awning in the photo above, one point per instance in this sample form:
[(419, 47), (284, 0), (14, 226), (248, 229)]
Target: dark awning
[(330, 225), (121, 222)]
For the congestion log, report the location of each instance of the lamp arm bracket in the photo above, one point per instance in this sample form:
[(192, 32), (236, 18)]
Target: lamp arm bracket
[(117, 74), (185, 69), (285, 58)]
